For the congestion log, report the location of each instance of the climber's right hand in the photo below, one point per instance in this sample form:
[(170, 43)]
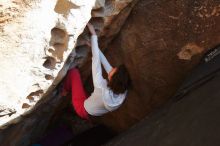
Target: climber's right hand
[(91, 28)]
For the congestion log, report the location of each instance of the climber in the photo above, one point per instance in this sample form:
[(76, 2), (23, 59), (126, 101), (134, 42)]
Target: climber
[(107, 95)]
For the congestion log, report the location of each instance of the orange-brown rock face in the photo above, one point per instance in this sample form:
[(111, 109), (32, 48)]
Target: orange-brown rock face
[(160, 42)]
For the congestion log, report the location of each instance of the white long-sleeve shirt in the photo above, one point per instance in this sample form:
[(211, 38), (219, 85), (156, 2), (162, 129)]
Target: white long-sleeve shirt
[(102, 100)]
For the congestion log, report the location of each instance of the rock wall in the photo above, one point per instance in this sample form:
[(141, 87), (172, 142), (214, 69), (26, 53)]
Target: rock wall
[(160, 43), (39, 42), (193, 120), (36, 39), (107, 17)]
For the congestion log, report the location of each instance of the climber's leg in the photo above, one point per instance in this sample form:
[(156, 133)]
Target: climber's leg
[(74, 84)]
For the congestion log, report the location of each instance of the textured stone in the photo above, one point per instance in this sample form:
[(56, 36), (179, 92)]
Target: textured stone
[(38, 46), (108, 16), (160, 43), (192, 121), (36, 39)]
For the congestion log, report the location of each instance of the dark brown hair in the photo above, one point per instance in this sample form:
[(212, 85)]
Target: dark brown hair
[(120, 80)]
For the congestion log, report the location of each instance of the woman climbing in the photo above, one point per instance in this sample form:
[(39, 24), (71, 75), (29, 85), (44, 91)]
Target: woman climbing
[(108, 95)]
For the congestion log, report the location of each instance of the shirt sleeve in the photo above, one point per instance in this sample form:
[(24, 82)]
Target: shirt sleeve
[(105, 62), (98, 80)]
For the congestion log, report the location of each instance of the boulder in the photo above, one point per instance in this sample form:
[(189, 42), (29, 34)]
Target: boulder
[(190, 120), (160, 42)]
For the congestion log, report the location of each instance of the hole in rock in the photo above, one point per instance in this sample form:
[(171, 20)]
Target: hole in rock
[(36, 93), (58, 51), (50, 63), (58, 36), (25, 105), (64, 7), (49, 77), (50, 50), (98, 12)]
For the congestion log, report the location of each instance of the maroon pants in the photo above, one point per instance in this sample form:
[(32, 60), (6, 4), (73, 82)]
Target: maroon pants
[(73, 84)]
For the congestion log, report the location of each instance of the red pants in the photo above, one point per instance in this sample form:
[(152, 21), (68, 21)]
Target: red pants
[(73, 84)]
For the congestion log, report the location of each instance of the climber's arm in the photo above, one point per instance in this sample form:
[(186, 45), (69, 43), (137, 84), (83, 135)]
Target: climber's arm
[(105, 62), (98, 80), (103, 59)]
